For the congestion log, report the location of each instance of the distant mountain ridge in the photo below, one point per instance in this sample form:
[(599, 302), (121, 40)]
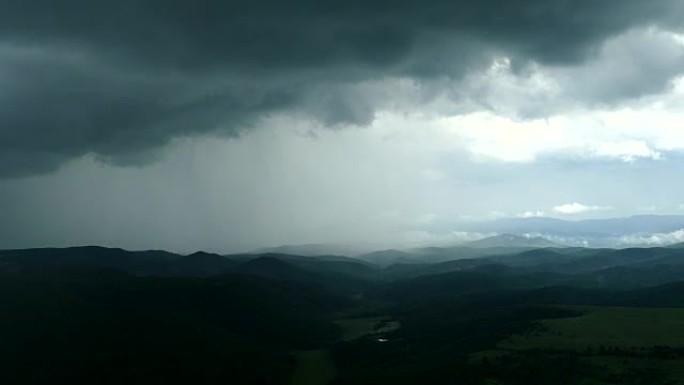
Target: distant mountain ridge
[(496, 245), (639, 230), (606, 227), (589, 267), (512, 240), (315, 249), (153, 262)]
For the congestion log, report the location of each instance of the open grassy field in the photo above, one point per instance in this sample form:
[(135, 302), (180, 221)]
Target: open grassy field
[(608, 327), (316, 367), (620, 343), (354, 328)]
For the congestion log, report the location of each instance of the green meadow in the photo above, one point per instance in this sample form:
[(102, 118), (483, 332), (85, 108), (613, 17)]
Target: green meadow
[(617, 327)]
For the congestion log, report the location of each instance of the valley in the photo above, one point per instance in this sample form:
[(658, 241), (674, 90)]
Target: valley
[(503, 314)]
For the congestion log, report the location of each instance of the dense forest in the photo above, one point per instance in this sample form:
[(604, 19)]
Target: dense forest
[(500, 315)]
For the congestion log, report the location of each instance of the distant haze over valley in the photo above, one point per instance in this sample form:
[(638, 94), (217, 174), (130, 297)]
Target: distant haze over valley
[(642, 230), (634, 231)]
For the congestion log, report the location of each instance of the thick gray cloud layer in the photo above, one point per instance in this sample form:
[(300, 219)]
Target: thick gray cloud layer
[(120, 79)]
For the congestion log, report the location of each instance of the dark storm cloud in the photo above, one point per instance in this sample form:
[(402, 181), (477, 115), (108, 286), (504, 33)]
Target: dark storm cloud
[(120, 79), (274, 34), (55, 107)]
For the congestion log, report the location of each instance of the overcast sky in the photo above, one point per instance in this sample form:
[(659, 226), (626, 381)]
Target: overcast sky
[(227, 125)]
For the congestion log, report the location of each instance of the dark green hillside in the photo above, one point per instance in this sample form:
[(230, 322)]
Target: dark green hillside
[(142, 262), (677, 246), (271, 267), (157, 263), (388, 257), (627, 277), (353, 268), (454, 284), (200, 264), (95, 315), (86, 325), (343, 278)]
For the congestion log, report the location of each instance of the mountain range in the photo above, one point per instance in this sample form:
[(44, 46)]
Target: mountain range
[(656, 230), (99, 315)]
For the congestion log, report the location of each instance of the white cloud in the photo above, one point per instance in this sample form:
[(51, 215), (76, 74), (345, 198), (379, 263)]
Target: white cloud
[(658, 239), (624, 135), (628, 151), (577, 208), (564, 112), (532, 214), (625, 69)]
